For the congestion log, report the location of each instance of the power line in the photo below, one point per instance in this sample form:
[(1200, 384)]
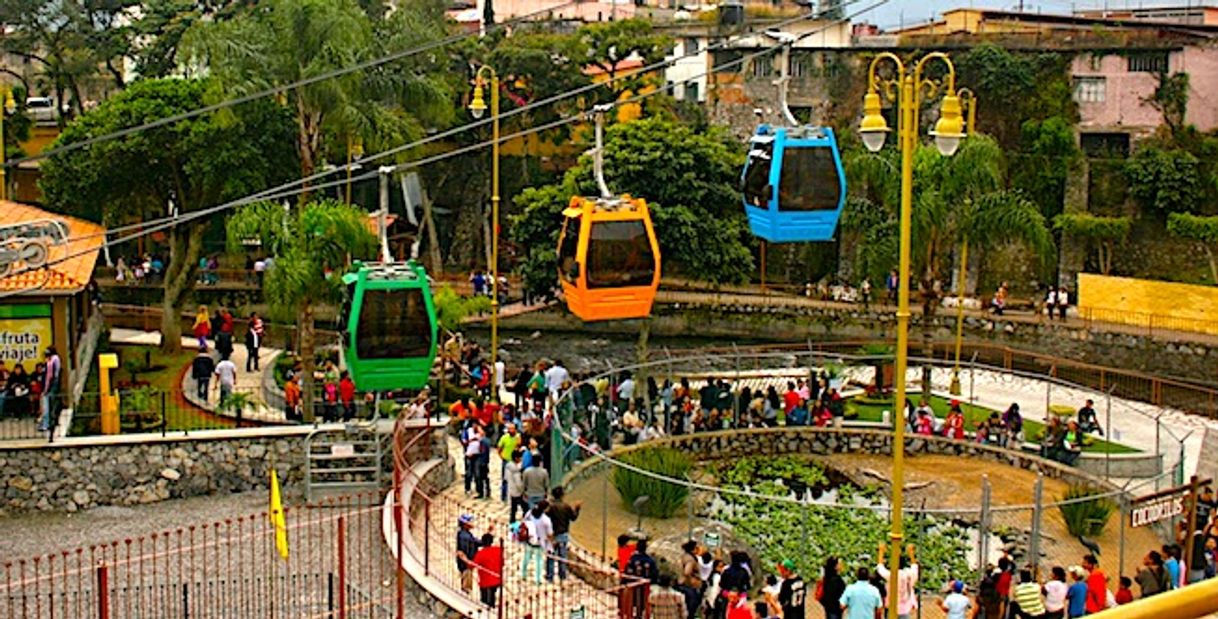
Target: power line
[(367, 64), (284, 191)]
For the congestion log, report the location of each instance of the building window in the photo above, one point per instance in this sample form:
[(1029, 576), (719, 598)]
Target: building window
[(801, 65), (1090, 89), (691, 92), (763, 66), (727, 61), (1105, 145), (1148, 62), (691, 45)]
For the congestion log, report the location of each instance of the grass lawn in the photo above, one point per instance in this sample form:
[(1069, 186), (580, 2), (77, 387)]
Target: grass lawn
[(165, 376), (872, 411)]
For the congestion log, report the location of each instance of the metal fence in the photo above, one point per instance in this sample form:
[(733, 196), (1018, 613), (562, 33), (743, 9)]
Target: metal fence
[(337, 566)]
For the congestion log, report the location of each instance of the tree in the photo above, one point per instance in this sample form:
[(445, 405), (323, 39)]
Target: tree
[(1170, 98), (606, 45), (957, 200), (285, 41), (47, 32), (170, 170), (162, 24), (1104, 232), (1165, 181), (1201, 230), (993, 73), (1047, 152), (311, 245), (689, 181)]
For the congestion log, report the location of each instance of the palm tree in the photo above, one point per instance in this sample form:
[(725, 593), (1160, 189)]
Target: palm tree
[(311, 245), (957, 200), (280, 42)]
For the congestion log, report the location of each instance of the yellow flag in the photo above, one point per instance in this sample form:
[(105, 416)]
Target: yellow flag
[(277, 518)]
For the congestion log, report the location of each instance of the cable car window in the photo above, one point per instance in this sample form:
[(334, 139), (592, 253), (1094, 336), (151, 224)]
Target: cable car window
[(619, 255), (393, 324), (568, 250), (757, 175), (809, 180)]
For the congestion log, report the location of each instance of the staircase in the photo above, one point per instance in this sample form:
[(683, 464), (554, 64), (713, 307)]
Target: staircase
[(345, 459)]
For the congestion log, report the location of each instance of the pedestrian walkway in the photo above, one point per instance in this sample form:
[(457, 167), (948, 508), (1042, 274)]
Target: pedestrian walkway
[(247, 382)]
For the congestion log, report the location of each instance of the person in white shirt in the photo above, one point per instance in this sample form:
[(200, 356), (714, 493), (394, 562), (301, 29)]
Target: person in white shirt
[(907, 581), (556, 376), (652, 431), (625, 390), (1055, 593), (540, 538), (1051, 302)]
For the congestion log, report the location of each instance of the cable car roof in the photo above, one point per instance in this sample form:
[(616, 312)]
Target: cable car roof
[(384, 271)]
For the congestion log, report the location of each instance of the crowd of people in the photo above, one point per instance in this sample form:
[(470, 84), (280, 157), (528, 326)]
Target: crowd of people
[(219, 328), (32, 392)]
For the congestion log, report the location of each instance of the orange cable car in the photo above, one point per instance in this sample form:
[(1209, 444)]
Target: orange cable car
[(608, 255), (608, 258)]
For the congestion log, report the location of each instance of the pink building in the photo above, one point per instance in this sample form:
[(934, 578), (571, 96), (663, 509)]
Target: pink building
[(1111, 89)]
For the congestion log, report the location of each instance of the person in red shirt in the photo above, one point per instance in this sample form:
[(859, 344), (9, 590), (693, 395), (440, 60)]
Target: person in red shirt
[(1097, 585), (485, 413), (790, 399), (1123, 594), (625, 550), (346, 395), (489, 560)]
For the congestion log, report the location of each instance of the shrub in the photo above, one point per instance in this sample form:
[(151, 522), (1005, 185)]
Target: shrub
[(1085, 517), (666, 497)]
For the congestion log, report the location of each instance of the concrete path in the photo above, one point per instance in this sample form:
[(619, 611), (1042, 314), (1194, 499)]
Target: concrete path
[(247, 382)]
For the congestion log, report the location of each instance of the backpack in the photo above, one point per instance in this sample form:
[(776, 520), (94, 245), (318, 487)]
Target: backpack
[(522, 533), (820, 590)]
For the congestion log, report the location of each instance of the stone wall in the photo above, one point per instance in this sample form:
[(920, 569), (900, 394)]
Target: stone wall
[(135, 469), (1160, 356)]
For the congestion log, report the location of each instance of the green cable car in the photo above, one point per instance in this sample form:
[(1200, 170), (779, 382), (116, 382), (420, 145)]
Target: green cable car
[(388, 326)]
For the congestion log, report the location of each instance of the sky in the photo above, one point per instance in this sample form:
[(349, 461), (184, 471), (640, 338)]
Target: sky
[(896, 12)]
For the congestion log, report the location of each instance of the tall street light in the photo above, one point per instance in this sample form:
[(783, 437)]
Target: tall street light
[(970, 103), (477, 107), (909, 91)]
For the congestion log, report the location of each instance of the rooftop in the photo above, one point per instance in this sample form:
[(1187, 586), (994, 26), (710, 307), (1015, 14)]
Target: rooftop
[(70, 263)]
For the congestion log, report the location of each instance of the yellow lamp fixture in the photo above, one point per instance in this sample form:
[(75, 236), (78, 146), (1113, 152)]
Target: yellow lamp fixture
[(949, 129), (874, 128), (477, 107)]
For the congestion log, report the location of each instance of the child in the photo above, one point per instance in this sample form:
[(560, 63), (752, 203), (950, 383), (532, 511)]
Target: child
[(1123, 594), (489, 560), (1076, 595)]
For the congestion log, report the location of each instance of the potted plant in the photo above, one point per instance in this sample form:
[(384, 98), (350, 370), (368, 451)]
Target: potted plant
[(139, 408), (236, 404), (836, 371)]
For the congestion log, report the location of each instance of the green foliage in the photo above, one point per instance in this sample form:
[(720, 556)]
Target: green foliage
[(1040, 170), (995, 74), (285, 41), (688, 179), (808, 534), (1193, 227), (1165, 181), (957, 198), (452, 308), (193, 164), (1085, 517), (237, 403), (749, 470), (1170, 98), (666, 497), (1093, 227)]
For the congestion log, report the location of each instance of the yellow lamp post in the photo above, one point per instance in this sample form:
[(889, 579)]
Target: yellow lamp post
[(970, 102), (477, 107), (908, 90), (9, 106)]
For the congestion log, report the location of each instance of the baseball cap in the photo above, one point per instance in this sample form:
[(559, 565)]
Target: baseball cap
[(1076, 570), (789, 564), (957, 586), (465, 519)]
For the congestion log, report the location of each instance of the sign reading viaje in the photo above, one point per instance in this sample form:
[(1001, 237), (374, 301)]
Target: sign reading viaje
[(25, 332)]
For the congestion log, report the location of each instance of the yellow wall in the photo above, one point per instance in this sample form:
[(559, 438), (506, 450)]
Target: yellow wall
[(1147, 303)]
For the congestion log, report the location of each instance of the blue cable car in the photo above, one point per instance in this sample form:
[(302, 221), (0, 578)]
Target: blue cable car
[(793, 184)]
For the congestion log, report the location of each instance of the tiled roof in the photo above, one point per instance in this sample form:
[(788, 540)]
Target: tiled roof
[(63, 276)]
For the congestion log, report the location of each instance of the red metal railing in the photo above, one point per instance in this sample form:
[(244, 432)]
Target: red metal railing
[(337, 562), (429, 516)]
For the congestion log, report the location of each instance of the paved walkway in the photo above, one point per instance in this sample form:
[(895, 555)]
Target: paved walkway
[(247, 382)]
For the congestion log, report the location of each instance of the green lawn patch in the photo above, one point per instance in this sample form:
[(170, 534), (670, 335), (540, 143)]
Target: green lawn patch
[(872, 410)]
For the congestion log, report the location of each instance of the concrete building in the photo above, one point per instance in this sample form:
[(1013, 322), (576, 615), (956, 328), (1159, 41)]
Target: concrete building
[(1187, 14), (1112, 90)]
